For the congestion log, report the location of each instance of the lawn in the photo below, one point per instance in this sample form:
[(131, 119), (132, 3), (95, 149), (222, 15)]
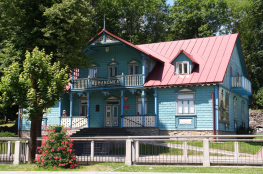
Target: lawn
[(121, 167), (244, 147)]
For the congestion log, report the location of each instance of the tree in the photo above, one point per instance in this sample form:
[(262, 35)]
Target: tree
[(58, 26), (36, 86), (197, 18)]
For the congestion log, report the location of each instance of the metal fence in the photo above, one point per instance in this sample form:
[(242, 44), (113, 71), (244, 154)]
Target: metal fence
[(176, 150)]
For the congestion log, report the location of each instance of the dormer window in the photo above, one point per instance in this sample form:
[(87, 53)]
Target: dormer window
[(182, 67)]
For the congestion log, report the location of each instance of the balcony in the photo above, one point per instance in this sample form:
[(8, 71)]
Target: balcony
[(240, 85), (102, 82)]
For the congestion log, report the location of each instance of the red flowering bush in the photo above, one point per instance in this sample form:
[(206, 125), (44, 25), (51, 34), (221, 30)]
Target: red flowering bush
[(56, 149)]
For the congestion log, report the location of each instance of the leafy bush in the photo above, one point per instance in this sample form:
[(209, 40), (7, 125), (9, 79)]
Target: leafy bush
[(56, 149), (7, 134)]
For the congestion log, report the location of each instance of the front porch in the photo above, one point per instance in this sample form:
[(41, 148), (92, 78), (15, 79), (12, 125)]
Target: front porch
[(127, 108)]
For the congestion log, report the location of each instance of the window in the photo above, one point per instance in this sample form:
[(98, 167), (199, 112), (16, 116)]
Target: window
[(186, 103), (112, 69), (93, 72), (83, 108), (182, 67), (133, 69), (235, 107), (139, 106)]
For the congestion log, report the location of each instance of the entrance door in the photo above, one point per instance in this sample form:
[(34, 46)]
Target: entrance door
[(112, 114)]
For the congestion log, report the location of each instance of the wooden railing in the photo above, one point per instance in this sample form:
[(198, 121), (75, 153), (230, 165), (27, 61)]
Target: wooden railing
[(139, 121), (77, 121), (123, 80), (241, 82)]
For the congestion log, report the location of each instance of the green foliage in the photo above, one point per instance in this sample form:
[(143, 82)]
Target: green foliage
[(38, 86), (242, 130), (258, 99), (7, 134), (56, 149), (197, 18), (58, 26)]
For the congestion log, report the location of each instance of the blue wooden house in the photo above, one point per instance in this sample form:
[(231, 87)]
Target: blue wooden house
[(196, 86)]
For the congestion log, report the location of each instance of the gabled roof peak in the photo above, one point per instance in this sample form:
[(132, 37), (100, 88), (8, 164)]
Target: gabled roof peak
[(185, 53)]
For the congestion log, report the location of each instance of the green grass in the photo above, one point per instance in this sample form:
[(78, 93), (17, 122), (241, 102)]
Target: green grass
[(121, 167), (244, 147)]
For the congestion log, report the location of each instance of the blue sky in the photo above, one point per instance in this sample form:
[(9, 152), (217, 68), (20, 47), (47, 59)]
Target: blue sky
[(170, 2)]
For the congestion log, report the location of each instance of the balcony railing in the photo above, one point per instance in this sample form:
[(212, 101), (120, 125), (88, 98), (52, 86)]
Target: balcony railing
[(241, 85), (123, 80), (139, 121)]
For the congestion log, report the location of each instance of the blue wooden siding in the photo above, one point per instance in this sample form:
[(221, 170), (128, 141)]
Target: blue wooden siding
[(53, 116), (182, 57), (65, 103), (25, 123), (121, 54), (167, 110)]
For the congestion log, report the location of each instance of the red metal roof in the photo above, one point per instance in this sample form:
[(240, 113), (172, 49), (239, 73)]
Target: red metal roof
[(211, 55)]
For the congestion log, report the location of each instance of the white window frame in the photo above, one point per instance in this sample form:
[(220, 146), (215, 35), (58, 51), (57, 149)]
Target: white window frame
[(140, 102), (93, 72), (182, 63), (182, 102), (133, 66)]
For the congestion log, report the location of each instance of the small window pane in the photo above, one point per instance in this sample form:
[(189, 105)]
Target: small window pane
[(136, 69), (95, 73), (110, 71), (180, 69), (180, 107), (131, 70), (185, 68), (139, 99), (185, 96), (83, 101), (91, 73), (185, 107), (139, 109), (191, 107), (116, 71)]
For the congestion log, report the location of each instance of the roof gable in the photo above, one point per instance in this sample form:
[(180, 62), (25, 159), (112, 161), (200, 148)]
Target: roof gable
[(181, 54)]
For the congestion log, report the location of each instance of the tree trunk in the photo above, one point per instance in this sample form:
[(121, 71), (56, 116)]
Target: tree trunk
[(39, 128), (33, 139)]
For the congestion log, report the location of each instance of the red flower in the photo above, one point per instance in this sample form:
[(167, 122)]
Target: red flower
[(60, 164), (70, 161), (54, 167), (65, 151), (76, 165), (66, 163), (71, 140), (46, 151), (43, 153), (62, 143), (50, 157), (39, 151), (70, 150), (52, 141), (65, 146), (42, 163), (62, 148), (60, 159), (43, 159), (52, 150), (66, 142), (38, 147), (72, 166)]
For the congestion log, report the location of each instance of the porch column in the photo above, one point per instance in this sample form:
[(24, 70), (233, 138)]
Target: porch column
[(88, 104), (59, 112), (143, 107), (122, 100), (143, 69), (71, 108), (155, 105), (71, 76)]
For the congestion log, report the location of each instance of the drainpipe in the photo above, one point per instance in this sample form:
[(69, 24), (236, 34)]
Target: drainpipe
[(19, 123)]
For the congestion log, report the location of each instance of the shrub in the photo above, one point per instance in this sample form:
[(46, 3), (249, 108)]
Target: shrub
[(7, 134), (56, 149)]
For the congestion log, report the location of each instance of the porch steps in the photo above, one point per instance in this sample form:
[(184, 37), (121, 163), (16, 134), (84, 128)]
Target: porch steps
[(87, 132)]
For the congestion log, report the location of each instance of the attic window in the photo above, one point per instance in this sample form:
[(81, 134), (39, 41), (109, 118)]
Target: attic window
[(182, 67)]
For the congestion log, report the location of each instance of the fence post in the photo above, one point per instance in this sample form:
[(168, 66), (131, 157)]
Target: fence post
[(236, 150), (185, 150), (137, 150), (27, 150), (128, 159), (92, 149), (17, 152), (8, 148), (206, 161), (133, 152)]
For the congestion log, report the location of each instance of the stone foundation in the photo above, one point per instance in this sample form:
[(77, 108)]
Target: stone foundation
[(143, 131)]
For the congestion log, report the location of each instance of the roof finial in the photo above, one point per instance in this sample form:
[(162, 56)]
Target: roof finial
[(104, 22)]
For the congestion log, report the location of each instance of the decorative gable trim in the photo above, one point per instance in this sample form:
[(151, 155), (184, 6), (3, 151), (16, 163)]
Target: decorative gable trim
[(188, 55), (112, 98)]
